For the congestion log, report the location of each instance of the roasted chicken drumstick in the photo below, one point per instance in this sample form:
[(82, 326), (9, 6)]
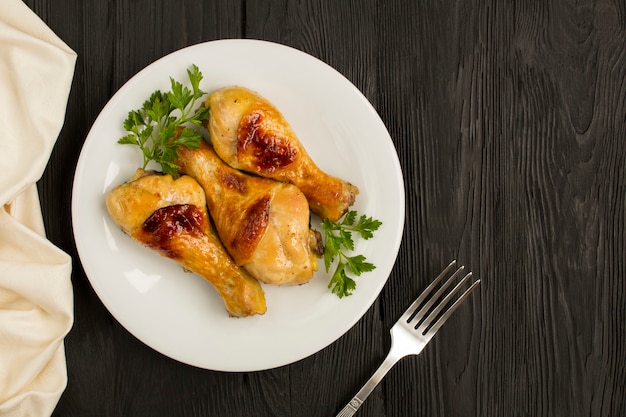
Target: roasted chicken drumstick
[(249, 133), (170, 217), (264, 224)]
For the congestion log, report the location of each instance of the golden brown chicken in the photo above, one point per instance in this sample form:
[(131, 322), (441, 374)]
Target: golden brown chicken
[(170, 217), (249, 133), (264, 224)]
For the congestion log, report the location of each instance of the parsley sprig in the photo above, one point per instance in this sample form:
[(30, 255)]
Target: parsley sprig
[(337, 240), (163, 123)]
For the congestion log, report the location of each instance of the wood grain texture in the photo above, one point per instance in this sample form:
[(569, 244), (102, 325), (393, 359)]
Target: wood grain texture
[(509, 119), (520, 139)]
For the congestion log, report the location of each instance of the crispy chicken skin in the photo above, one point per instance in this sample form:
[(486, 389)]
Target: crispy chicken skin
[(249, 133), (170, 217), (264, 224)]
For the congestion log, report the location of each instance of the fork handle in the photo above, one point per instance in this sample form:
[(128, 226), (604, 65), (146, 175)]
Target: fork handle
[(356, 401)]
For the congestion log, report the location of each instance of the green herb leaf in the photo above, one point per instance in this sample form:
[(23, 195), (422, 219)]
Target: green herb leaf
[(341, 284), (367, 226), (195, 76), (338, 240), (128, 140), (349, 218), (163, 123), (358, 265)]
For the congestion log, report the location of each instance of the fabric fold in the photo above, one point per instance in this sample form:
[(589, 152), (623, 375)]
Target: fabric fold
[(36, 299)]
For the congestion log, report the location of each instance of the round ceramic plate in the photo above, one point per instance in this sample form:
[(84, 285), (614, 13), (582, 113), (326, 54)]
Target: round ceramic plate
[(180, 314)]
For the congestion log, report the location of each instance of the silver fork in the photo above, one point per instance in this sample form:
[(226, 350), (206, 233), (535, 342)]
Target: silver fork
[(414, 329)]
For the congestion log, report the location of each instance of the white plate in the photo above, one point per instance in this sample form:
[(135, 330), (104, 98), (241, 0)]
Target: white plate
[(179, 314)]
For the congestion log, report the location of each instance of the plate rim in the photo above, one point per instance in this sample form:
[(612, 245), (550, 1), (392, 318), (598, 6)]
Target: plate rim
[(80, 166)]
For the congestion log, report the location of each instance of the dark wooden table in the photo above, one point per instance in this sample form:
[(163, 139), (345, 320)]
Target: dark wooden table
[(509, 119)]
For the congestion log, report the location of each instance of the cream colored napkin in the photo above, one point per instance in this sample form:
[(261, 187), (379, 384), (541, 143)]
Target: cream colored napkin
[(36, 304)]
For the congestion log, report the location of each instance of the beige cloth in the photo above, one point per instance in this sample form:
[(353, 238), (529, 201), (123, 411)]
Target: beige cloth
[(36, 301)]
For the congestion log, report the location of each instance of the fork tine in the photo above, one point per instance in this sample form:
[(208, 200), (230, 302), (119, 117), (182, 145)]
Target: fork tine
[(432, 315), (411, 310), (442, 319), (422, 312), (410, 338)]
